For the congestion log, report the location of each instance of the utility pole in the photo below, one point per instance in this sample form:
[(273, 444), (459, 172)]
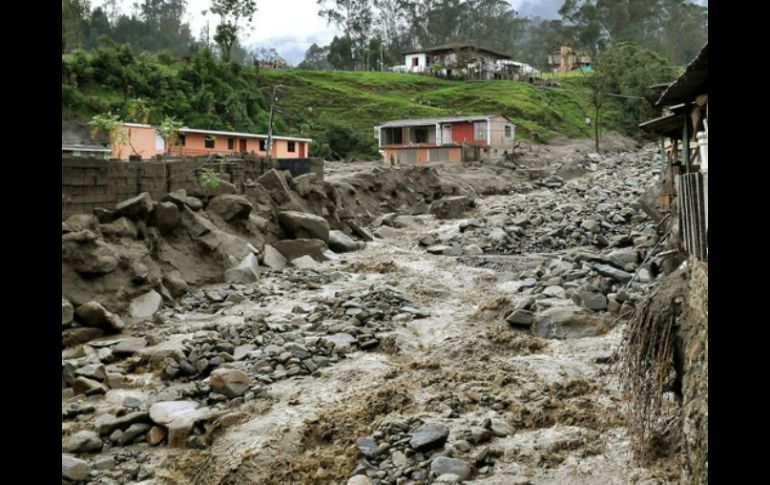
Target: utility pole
[(273, 100), (382, 64)]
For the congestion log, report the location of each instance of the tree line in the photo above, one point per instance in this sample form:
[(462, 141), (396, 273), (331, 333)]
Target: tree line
[(375, 33)]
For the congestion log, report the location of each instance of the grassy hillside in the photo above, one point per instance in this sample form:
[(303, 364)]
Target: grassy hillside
[(337, 108)]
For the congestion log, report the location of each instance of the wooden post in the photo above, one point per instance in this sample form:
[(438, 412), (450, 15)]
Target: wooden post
[(686, 147)]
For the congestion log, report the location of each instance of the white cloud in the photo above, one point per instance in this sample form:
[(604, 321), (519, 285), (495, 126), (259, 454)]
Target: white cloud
[(288, 26)]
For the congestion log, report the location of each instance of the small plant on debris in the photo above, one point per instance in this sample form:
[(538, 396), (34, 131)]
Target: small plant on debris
[(208, 179)]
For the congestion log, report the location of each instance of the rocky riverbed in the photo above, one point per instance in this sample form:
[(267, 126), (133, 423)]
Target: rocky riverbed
[(470, 339)]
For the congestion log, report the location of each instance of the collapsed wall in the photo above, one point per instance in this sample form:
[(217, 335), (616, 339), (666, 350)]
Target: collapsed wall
[(152, 248)]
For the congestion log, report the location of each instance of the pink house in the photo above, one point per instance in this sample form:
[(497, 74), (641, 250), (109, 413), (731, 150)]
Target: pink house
[(145, 141)]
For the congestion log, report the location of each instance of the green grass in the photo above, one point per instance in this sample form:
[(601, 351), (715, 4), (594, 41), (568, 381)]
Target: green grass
[(362, 100)]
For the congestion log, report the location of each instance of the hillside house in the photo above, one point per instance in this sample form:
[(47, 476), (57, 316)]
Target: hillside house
[(145, 140), (567, 59), (453, 60), (682, 130), (445, 139)]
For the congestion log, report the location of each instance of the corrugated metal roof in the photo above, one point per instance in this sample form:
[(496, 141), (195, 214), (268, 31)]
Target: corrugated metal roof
[(67, 147), (449, 47), (692, 82), (241, 134), (433, 121)]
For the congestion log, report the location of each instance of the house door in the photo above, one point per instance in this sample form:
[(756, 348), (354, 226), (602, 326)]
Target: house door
[(242, 144), (301, 150), (446, 134)]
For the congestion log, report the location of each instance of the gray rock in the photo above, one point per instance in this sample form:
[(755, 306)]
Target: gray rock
[(644, 275), (67, 312), (500, 429), (295, 248), (246, 272), (399, 459), (593, 300), (94, 314), (230, 382), (129, 345), (386, 232), (175, 283), (304, 262), (590, 225), (384, 219), (146, 305), (614, 273), (165, 216), (79, 222), (359, 480), (341, 242), (567, 321), (304, 225), (107, 423), (367, 447), (438, 249), (443, 464), (272, 258), (498, 236), (451, 207), (473, 250), (73, 468), (133, 431), (178, 417), (521, 317), (621, 257), (83, 441), (555, 291), (121, 227), (136, 208), (230, 207), (275, 181), (429, 436)]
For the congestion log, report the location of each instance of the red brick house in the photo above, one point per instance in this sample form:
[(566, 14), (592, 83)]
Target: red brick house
[(445, 139)]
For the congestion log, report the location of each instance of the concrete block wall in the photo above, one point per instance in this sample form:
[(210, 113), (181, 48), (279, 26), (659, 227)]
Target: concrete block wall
[(89, 183)]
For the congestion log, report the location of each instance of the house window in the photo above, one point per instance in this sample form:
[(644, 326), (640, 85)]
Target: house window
[(262, 145), (397, 136), (421, 135), (507, 131), (230, 143), (291, 146), (181, 139), (480, 130), (415, 61), (209, 142)]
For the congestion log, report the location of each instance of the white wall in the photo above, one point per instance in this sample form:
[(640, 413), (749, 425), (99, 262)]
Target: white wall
[(421, 61)]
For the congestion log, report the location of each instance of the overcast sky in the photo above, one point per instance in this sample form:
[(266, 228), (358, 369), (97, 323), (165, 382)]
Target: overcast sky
[(291, 26)]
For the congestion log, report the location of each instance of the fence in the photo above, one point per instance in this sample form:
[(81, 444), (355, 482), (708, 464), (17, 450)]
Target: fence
[(692, 215)]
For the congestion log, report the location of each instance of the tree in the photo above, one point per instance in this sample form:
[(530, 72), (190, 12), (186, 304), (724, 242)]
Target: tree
[(73, 16), (316, 58), (231, 13), (354, 18), (629, 70), (169, 131), (340, 53)]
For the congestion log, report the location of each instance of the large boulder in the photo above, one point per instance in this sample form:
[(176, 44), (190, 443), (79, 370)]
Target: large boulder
[(275, 182), (451, 207), (230, 207), (83, 441), (146, 305), (181, 200), (178, 417), (304, 225), (87, 254), (175, 283), (93, 314), (272, 258), (247, 271), (612, 272), (67, 312), (136, 208), (442, 465), (230, 382), (165, 216), (341, 242), (296, 248), (429, 436), (562, 322), (73, 468), (121, 227)]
